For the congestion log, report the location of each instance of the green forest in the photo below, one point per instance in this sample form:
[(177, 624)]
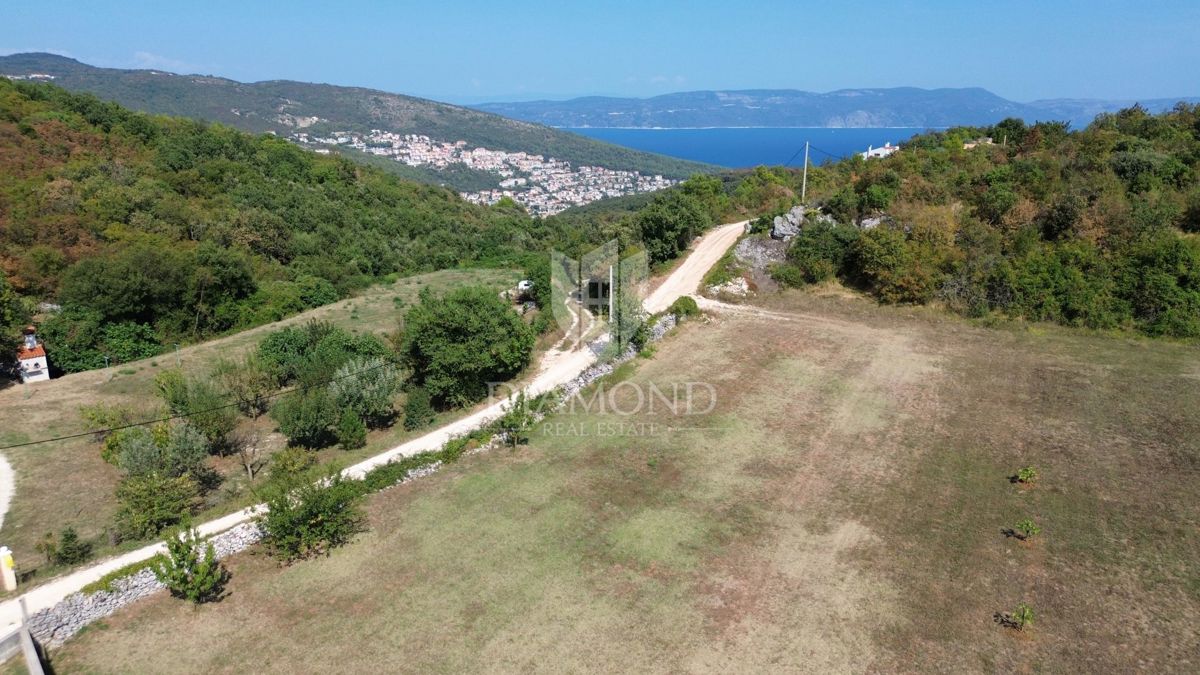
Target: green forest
[(1095, 228), (149, 230)]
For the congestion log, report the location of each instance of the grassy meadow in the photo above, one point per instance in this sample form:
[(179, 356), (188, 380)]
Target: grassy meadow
[(843, 507)]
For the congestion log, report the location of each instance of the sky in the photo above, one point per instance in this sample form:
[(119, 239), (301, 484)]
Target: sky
[(481, 50)]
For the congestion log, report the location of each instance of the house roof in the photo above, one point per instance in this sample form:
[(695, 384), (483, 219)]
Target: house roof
[(24, 353)]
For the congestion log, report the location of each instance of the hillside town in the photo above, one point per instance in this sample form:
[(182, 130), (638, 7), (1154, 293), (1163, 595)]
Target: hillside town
[(544, 186)]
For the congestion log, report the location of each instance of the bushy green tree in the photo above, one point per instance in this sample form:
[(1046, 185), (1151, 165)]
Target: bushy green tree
[(169, 450), (457, 344), (71, 549), (202, 402)]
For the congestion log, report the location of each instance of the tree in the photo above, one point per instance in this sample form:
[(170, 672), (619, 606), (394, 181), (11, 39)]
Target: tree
[(169, 450), (458, 344), (152, 503), (71, 549), (190, 571), (247, 382), (351, 432), (366, 386), (670, 223), (207, 410), (11, 315)]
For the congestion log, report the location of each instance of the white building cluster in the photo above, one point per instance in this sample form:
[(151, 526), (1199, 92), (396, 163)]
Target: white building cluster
[(544, 186)]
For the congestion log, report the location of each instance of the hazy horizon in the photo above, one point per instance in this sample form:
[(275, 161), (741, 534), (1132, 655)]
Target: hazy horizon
[(474, 52)]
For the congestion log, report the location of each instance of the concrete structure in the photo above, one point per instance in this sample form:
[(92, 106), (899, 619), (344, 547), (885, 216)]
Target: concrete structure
[(31, 358)]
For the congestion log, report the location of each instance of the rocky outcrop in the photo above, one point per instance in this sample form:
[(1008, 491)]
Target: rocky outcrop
[(788, 225)]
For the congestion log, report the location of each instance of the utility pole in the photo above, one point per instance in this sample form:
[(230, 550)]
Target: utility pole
[(804, 183)]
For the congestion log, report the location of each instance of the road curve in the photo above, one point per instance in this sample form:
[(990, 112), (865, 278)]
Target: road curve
[(556, 368), (687, 277)]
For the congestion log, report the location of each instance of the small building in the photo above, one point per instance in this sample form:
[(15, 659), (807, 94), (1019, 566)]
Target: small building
[(31, 358), (879, 153), (972, 144)]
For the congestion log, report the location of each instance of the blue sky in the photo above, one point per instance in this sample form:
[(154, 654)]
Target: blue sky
[(486, 50)]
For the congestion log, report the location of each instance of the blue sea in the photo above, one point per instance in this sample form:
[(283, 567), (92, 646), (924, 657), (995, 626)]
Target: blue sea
[(744, 147)]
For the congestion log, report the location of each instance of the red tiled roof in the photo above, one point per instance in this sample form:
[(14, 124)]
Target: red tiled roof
[(34, 353)]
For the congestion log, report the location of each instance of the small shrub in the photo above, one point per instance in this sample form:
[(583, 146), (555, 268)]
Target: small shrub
[(1027, 529), (351, 432), (684, 307), (516, 421), (311, 519), (1027, 475), (418, 410), (188, 573), (47, 546), (71, 549), (1022, 616)]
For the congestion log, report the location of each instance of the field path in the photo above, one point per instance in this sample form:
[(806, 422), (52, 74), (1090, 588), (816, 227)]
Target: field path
[(556, 368)]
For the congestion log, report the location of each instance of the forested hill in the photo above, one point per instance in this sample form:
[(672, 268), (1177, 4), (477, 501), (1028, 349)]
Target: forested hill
[(283, 107), (891, 107), (150, 230)]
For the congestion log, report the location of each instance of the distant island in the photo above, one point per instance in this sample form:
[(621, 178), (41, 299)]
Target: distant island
[(845, 108)]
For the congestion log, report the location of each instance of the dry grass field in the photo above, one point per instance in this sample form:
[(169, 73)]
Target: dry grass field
[(841, 509), (66, 483)]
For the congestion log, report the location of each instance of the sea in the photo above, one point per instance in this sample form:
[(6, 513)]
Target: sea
[(741, 147)]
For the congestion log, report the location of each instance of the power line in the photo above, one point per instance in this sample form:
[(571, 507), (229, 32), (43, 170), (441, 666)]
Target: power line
[(109, 430)]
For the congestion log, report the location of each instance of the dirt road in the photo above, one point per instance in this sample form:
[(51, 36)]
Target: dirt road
[(687, 277), (556, 368)]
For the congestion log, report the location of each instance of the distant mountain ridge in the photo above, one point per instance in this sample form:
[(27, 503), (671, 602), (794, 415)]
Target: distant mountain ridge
[(283, 107), (891, 107)]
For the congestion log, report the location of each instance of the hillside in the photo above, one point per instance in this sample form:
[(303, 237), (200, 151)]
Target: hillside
[(895, 107), (283, 107), (153, 230)]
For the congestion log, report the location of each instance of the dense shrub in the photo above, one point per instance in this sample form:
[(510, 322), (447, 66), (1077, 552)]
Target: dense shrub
[(312, 518), (202, 402), (366, 387), (685, 306), (351, 432), (305, 416), (418, 410), (169, 450), (821, 250), (152, 503), (670, 223)]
